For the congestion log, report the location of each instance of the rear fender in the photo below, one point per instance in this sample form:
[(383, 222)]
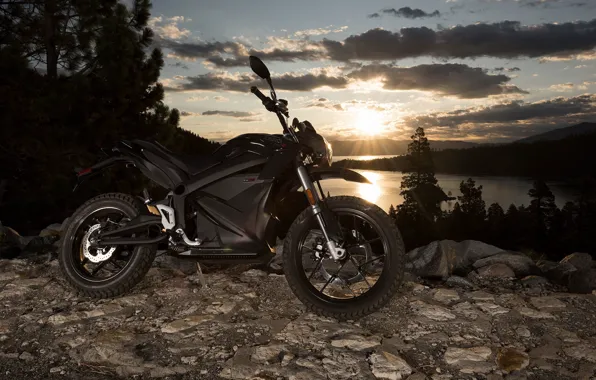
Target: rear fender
[(84, 174)]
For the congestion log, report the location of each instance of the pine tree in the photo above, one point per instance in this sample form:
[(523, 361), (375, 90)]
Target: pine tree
[(418, 201), (471, 200), (542, 210)]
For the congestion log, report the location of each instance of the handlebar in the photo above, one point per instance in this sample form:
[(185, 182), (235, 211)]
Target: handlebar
[(259, 94)]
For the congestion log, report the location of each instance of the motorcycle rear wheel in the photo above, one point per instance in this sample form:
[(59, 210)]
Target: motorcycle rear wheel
[(81, 268), (338, 303)]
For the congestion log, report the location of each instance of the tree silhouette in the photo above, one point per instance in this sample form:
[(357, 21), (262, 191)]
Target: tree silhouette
[(96, 82)]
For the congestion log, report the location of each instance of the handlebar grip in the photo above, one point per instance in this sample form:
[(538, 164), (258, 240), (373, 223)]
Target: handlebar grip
[(259, 94)]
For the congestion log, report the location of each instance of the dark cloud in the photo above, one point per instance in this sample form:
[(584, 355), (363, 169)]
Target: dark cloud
[(179, 64), (323, 99), (508, 69), (550, 3), (406, 12), (457, 80), (559, 110), (229, 113), (506, 39), (243, 82), (187, 113), (201, 49)]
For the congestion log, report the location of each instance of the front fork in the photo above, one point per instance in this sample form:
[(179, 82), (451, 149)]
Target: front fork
[(315, 204)]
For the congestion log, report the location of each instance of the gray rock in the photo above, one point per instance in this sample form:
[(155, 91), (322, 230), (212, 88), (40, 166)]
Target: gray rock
[(268, 354), (534, 281), (385, 365), (446, 257), (461, 357), (436, 313), (496, 270), (51, 230), (547, 303), (446, 296), (557, 273), (578, 260), (582, 281), (10, 242), (521, 264), (356, 342), (457, 281)]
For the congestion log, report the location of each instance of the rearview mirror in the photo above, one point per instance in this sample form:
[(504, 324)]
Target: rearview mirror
[(259, 67)]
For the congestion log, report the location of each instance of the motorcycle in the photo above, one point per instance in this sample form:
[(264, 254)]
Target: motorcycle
[(343, 257)]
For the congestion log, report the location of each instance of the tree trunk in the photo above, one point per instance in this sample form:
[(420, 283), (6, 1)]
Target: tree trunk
[(50, 43)]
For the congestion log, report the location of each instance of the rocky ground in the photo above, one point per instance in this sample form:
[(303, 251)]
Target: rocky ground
[(246, 324)]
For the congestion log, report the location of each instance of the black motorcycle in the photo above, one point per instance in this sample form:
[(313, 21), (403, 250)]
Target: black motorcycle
[(343, 257)]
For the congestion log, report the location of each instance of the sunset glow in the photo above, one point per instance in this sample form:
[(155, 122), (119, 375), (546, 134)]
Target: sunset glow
[(368, 122)]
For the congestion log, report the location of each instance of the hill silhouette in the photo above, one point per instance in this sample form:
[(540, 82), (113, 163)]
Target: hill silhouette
[(387, 146), (561, 133)]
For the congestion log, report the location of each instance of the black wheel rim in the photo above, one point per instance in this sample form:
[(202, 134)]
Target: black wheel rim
[(355, 276), (117, 258)]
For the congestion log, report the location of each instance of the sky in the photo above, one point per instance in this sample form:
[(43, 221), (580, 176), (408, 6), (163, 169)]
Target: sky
[(471, 70)]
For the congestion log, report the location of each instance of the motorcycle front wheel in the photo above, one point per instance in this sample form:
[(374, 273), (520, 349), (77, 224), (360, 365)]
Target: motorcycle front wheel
[(361, 283)]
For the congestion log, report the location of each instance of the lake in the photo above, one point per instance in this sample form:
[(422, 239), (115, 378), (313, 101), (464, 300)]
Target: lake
[(384, 190)]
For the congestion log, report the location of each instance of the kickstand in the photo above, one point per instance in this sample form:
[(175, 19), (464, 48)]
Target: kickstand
[(201, 276)]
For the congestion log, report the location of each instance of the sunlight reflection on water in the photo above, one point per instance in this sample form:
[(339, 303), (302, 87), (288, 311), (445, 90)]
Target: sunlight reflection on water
[(370, 192)]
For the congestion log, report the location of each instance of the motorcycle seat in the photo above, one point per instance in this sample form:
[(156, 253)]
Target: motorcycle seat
[(191, 165)]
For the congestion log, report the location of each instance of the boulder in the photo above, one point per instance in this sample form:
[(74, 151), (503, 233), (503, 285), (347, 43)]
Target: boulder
[(496, 270), (579, 260), (521, 264), (51, 230), (582, 281), (534, 281), (557, 273), (10, 242), (446, 257)]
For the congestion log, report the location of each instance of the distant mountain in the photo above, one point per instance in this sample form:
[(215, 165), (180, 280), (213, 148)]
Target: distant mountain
[(561, 133), (387, 146)]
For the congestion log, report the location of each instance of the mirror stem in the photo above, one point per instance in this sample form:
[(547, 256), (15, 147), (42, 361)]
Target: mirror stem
[(273, 94)]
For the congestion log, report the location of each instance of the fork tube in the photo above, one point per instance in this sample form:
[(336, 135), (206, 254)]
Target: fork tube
[(308, 186)]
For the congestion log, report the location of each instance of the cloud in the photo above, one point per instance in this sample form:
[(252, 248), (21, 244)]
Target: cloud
[(562, 87), (325, 104), (169, 28), (197, 98), (509, 119), (193, 50), (188, 113), (549, 3), (319, 31), (507, 69), (457, 80), (506, 39), (238, 114), (179, 64), (220, 99), (242, 82), (406, 12), (250, 119)]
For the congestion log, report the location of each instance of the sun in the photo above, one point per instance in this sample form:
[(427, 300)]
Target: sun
[(369, 122)]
